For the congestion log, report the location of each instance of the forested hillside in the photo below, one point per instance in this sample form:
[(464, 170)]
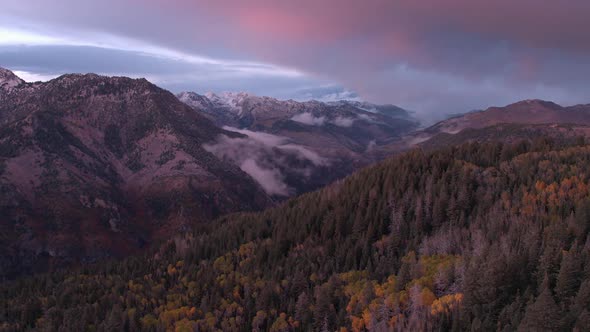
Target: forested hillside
[(484, 236)]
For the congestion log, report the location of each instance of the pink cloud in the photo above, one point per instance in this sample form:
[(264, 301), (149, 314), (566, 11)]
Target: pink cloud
[(373, 34), (520, 45)]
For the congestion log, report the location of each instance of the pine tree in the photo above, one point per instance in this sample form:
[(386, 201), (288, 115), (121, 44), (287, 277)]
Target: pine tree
[(542, 315), (569, 277), (511, 315), (302, 311), (583, 322), (114, 320), (582, 301)]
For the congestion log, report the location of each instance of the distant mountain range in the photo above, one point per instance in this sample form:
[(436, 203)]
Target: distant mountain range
[(526, 112), (295, 147), (523, 119), (329, 140)]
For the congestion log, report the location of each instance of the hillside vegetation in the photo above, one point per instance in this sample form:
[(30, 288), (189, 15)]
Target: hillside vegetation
[(484, 236)]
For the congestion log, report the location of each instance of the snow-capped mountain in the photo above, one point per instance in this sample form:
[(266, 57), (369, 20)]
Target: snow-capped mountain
[(242, 108), (322, 141)]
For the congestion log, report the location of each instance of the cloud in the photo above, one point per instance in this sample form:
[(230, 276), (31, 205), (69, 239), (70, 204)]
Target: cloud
[(368, 118), (271, 180), (498, 52), (34, 77), (315, 158), (106, 43), (279, 142), (342, 121), (371, 146), (43, 62), (260, 137), (430, 56), (309, 119), (327, 93), (267, 158)]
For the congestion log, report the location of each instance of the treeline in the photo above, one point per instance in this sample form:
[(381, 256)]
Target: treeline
[(484, 236)]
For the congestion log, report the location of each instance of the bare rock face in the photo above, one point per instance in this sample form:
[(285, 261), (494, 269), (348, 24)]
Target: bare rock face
[(94, 166), (8, 80), (294, 147)]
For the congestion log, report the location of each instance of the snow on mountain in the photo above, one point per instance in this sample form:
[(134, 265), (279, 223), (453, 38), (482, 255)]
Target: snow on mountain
[(247, 107), (231, 99), (345, 135)]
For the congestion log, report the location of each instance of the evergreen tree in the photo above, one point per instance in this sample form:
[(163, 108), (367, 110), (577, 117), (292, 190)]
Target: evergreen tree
[(569, 277), (542, 315), (583, 322)]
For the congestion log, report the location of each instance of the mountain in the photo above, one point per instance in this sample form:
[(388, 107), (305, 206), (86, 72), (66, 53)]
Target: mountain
[(528, 118), (483, 225), (246, 111), (8, 80), (295, 147), (459, 239), (94, 166)]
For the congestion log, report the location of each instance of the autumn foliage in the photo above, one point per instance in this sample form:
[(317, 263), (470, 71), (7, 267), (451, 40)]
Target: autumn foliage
[(477, 237)]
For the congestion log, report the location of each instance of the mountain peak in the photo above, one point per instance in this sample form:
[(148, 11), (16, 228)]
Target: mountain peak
[(233, 99), (227, 94), (8, 80), (525, 112), (527, 103), (66, 78)]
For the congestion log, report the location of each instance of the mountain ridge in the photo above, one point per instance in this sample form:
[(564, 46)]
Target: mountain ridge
[(418, 242), (323, 141), (530, 112), (121, 163), (94, 166)]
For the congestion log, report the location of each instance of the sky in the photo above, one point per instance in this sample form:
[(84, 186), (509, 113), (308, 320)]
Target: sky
[(433, 57)]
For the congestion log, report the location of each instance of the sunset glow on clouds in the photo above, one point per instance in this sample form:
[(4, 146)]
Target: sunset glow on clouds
[(430, 56)]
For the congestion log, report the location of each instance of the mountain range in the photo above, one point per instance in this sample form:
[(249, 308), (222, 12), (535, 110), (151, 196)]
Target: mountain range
[(295, 147), (94, 167), (476, 237), (532, 115), (156, 211)]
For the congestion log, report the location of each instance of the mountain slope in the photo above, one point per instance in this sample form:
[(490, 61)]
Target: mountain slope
[(94, 166), (528, 118), (299, 146), (8, 80), (461, 239)]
